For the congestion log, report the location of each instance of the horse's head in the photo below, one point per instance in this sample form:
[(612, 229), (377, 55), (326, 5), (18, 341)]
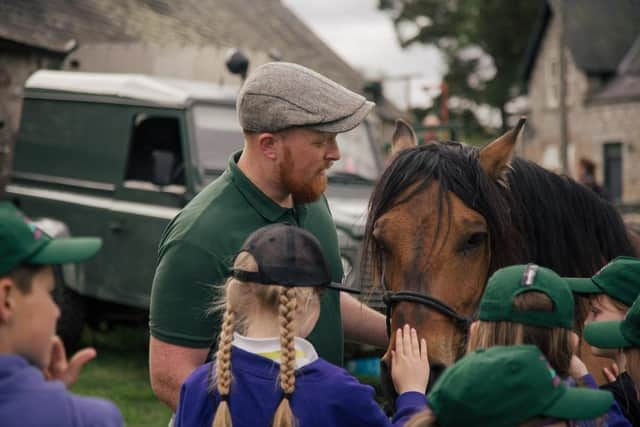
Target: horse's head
[(433, 217)]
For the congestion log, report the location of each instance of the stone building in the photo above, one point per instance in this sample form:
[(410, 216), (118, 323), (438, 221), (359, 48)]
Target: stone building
[(602, 52)]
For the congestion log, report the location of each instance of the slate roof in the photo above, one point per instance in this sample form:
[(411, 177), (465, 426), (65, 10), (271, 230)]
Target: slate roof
[(604, 40), (257, 25), (600, 33)]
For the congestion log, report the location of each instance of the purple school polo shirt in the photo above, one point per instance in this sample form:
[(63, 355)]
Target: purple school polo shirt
[(28, 400), (325, 396)]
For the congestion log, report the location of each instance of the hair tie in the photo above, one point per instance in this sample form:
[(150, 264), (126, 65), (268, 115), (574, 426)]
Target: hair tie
[(224, 398), (287, 396)]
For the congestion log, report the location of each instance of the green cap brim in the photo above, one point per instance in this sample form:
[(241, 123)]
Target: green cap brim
[(583, 285), (605, 334), (70, 250), (580, 404)]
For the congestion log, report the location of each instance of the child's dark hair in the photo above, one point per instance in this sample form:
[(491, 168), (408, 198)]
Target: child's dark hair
[(23, 275)]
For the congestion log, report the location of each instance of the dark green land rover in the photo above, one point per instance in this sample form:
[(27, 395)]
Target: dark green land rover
[(118, 155)]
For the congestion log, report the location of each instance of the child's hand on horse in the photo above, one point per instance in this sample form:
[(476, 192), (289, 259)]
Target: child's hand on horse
[(409, 362), (65, 370), (611, 373)]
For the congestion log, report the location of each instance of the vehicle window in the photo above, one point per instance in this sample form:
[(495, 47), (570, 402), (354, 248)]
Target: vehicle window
[(155, 140), (356, 155), (217, 134)]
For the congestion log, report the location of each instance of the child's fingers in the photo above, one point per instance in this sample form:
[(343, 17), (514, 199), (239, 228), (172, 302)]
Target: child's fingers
[(615, 370), (609, 375), (415, 346), (399, 343), (423, 350), (406, 340)]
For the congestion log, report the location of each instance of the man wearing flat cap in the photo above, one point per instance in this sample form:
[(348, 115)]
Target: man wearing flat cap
[(290, 116)]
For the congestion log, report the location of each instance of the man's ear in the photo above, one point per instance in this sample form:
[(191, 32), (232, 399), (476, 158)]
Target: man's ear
[(267, 144), (7, 298)]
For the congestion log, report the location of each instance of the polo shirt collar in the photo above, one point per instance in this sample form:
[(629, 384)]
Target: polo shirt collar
[(262, 203)]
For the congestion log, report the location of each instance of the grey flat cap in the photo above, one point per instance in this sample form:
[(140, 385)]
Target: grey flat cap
[(280, 95)]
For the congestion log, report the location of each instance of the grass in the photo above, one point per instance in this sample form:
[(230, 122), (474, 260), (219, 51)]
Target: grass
[(120, 373)]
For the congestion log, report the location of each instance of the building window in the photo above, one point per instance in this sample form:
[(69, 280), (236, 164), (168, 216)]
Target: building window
[(613, 170), (552, 82)]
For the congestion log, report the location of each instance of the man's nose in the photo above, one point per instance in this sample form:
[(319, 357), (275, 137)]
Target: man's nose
[(333, 151)]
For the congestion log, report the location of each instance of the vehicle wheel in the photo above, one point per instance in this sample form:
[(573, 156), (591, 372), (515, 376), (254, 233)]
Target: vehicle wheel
[(72, 313)]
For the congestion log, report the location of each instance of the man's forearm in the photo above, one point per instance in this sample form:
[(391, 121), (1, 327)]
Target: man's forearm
[(361, 323)]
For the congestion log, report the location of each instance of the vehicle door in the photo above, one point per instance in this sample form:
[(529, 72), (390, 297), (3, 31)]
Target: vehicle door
[(154, 187)]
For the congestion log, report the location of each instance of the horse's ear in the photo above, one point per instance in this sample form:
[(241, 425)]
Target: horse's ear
[(403, 137), (496, 156)]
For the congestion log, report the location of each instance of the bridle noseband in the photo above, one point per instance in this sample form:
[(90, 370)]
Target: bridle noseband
[(392, 298)]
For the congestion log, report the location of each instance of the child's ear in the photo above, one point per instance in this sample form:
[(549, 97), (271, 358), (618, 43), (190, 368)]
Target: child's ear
[(7, 298)]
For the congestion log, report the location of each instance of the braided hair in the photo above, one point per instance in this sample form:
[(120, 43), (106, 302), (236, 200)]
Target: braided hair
[(236, 301)]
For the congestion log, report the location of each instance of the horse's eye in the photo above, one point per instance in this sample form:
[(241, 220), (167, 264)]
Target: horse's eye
[(474, 241)]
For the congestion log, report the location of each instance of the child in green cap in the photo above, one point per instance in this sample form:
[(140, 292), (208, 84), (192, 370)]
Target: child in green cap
[(611, 292), (34, 371), (529, 304), (625, 335), (506, 387)]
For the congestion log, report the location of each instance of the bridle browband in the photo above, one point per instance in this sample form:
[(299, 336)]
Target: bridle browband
[(392, 298)]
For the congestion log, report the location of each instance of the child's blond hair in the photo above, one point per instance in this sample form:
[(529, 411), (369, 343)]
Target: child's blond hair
[(236, 301), (555, 343)]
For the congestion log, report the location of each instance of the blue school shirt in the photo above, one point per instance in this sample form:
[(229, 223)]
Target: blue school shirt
[(325, 396), (27, 399)]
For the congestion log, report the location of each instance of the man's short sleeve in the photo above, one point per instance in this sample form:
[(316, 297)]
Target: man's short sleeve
[(183, 290)]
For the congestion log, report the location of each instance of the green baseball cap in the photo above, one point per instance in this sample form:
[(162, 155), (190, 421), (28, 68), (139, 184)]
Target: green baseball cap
[(620, 279), (507, 283), (616, 334), (504, 386), (22, 242)]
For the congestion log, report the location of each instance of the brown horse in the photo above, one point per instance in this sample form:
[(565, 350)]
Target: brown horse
[(444, 216)]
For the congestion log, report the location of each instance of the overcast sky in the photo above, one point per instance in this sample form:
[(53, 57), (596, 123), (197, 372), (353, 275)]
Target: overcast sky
[(365, 38)]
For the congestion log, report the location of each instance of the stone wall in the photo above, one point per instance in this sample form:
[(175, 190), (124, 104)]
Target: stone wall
[(590, 125), (16, 65)]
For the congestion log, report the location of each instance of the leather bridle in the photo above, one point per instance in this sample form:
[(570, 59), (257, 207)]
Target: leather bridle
[(391, 298)]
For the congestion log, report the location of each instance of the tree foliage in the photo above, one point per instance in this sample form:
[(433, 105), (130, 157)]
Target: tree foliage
[(483, 41)]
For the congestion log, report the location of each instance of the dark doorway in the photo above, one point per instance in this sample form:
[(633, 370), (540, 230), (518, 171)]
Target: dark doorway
[(613, 170)]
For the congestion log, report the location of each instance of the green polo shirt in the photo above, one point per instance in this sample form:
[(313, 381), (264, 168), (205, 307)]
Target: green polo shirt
[(197, 251)]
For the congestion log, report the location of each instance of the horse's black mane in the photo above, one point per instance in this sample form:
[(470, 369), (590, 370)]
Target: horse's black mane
[(540, 217), (564, 225)]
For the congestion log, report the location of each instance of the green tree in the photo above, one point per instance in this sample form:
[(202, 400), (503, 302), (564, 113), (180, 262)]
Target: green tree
[(483, 42)]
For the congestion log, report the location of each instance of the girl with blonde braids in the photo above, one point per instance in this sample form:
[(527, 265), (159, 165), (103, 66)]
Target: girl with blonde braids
[(265, 372)]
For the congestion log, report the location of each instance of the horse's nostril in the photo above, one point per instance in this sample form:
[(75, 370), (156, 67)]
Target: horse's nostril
[(436, 370)]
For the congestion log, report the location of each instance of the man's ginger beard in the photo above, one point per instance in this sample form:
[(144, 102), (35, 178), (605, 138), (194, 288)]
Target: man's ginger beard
[(301, 191)]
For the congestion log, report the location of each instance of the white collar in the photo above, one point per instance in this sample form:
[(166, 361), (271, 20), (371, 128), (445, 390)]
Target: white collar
[(270, 348)]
